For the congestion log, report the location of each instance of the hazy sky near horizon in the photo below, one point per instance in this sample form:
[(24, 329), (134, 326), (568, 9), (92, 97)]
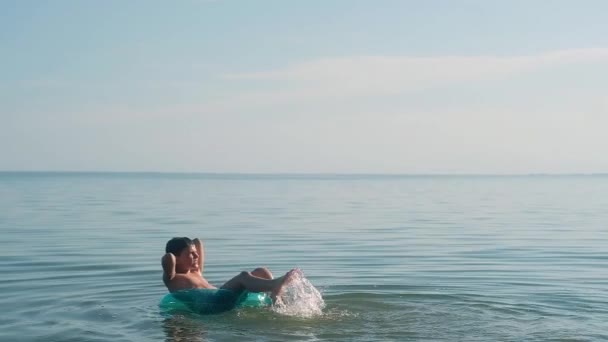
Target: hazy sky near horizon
[(323, 86)]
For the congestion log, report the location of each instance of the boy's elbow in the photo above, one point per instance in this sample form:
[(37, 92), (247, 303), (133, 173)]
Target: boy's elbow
[(167, 277), (168, 261)]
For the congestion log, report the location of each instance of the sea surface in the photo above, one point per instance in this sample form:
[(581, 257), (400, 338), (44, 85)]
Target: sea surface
[(396, 258)]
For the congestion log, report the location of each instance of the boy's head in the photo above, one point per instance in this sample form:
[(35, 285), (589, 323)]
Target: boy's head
[(183, 248), (176, 245)]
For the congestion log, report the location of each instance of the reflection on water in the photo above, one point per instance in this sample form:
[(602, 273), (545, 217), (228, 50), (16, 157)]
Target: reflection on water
[(181, 328)]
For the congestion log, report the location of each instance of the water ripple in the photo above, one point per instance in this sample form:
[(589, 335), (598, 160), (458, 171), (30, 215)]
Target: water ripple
[(396, 258)]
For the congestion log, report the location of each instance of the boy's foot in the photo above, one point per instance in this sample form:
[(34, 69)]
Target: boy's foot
[(283, 282)]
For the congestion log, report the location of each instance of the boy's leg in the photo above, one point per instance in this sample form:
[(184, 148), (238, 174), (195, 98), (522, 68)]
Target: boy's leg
[(249, 282), (262, 272)]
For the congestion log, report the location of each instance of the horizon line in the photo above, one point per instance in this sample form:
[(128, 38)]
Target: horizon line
[(304, 174)]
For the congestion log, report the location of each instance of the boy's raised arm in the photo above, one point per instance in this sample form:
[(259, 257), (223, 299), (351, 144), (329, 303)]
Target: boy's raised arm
[(201, 254), (168, 262)]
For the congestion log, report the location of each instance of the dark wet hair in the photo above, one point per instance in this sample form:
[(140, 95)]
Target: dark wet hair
[(176, 245)]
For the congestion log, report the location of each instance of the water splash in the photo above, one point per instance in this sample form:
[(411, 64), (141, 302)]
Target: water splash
[(300, 298)]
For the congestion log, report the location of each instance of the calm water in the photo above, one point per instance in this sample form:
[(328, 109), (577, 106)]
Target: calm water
[(396, 258)]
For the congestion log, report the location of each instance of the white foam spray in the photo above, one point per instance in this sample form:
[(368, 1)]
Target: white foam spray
[(300, 298)]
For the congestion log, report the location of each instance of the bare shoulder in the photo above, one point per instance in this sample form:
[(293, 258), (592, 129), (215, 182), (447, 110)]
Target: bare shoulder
[(179, 282)]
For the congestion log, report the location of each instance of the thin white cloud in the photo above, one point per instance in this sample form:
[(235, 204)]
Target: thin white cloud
[(378, 75)]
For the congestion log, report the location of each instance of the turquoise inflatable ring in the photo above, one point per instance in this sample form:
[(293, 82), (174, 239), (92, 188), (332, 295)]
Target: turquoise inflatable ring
[(211, 301)]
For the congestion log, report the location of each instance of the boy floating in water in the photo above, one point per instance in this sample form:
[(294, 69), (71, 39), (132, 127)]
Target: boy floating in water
[(183, 269)]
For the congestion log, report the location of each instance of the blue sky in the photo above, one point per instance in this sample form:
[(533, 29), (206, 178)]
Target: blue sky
[(304, 86)]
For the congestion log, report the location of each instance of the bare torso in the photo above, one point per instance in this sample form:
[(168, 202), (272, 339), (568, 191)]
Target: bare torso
[(189, 275), (190, 280)]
